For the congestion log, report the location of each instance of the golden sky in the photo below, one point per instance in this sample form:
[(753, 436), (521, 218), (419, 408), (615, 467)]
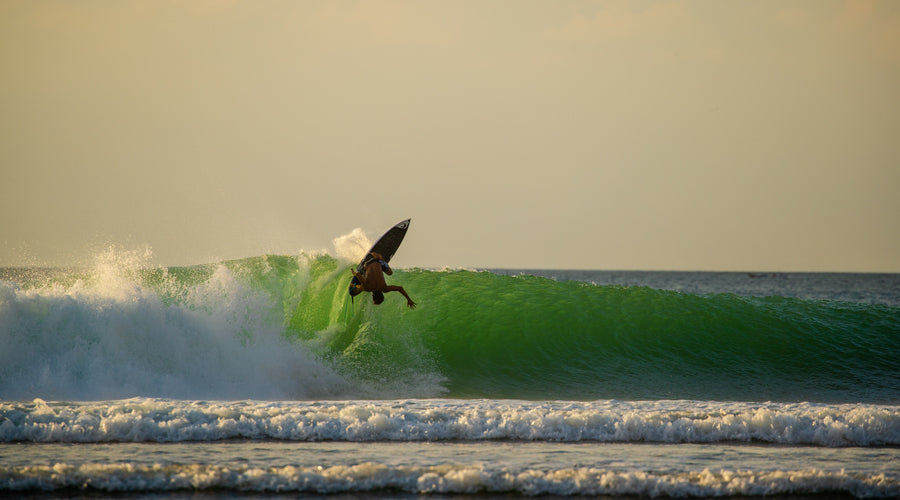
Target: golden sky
[(697, 135)]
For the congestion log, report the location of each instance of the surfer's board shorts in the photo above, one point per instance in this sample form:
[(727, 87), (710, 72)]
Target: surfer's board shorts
[(356, 285)]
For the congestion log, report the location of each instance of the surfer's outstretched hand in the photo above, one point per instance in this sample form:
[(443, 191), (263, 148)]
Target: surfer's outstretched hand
[(410, 304)]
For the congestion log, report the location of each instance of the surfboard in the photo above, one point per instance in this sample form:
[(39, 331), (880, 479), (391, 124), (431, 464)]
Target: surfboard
[(386, 246)]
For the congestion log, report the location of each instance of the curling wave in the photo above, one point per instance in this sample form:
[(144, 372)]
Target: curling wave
[(284, 328)]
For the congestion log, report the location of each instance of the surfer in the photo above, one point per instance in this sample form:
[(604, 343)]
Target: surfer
[(372, 280)]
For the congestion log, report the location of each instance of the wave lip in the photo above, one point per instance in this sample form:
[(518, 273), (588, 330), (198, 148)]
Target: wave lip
[(445, 479), (142, 420)]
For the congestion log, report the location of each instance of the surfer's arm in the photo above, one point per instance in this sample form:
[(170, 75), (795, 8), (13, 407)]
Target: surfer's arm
[(361, 278), (395, 288)]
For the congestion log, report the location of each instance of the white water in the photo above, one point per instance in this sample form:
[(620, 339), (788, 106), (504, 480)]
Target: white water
[(454, 468), (109, 337), (151, 420)]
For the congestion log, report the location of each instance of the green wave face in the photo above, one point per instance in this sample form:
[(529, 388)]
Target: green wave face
[(219, 330), (477, 334)]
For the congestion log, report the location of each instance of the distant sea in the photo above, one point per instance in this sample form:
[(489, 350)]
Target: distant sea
[(261, 378)]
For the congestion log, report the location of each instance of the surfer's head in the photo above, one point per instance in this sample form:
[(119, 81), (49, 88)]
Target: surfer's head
[(377, 297)]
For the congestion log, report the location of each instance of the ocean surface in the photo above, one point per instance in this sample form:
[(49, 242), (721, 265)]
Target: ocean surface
[(260, 378)]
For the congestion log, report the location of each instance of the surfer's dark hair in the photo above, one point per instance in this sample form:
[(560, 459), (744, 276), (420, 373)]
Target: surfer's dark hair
[(377, 297)]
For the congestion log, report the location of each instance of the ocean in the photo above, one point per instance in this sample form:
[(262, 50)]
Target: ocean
[(260, 378)]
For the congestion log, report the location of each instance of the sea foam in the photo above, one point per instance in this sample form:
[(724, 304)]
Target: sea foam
[(442, 479), (138, 420)]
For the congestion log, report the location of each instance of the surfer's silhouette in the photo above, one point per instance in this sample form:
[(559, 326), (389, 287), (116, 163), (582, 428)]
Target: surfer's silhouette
[(372, 280)]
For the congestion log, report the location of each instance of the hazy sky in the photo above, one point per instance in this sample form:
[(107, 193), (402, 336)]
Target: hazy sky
[(698, 135)]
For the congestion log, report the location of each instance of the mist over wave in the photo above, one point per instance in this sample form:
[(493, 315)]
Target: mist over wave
[(111, 333)]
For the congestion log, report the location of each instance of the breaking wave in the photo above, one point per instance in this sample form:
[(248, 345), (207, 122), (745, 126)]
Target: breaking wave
[(283, 327)]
